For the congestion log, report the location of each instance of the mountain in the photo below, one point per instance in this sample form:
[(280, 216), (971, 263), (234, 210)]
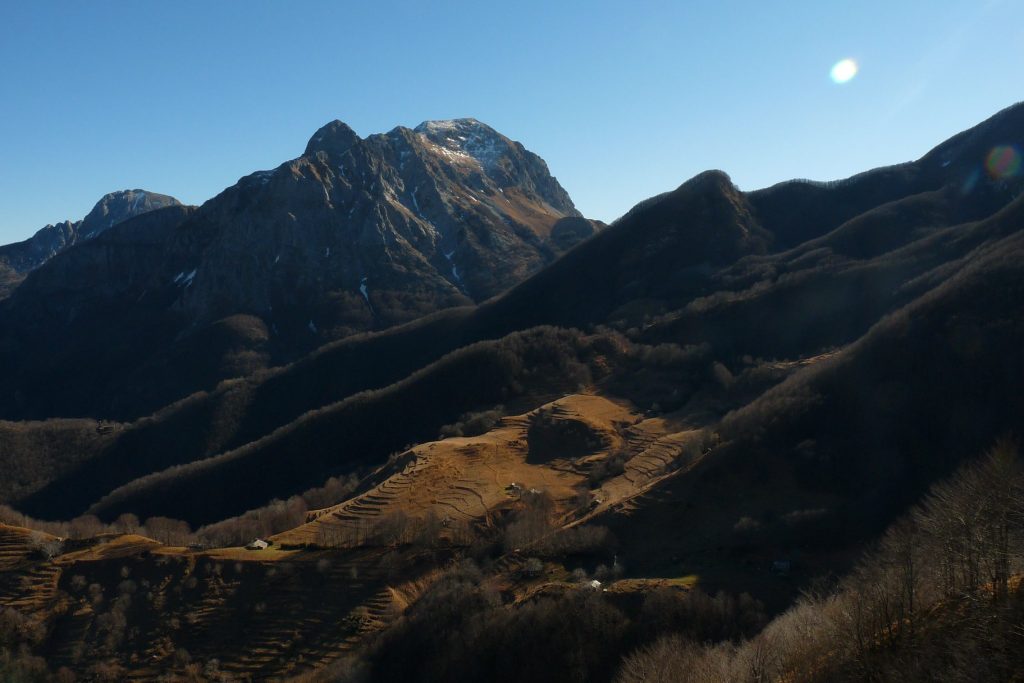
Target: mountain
[(353, 235), (361, 234), (16, 260), (723, 390), (701, 268)]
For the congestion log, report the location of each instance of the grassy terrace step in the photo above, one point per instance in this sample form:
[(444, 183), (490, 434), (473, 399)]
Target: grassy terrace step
[(31, 588), (378, 499)]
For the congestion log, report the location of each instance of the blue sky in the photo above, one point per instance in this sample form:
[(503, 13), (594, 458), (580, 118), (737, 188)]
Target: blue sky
[(623, 99)]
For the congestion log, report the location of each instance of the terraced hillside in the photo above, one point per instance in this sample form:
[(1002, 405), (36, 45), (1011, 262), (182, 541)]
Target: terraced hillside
[(131, 604), (461, 481)]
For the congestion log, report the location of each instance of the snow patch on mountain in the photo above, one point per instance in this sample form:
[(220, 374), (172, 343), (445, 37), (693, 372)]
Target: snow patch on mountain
[(465, 139)]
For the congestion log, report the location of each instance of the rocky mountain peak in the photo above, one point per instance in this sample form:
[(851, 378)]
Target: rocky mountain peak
[(333, 138), (119, 206), (368, 232), (111, 209)]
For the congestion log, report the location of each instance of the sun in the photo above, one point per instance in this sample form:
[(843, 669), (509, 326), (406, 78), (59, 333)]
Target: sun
[(843, 71)]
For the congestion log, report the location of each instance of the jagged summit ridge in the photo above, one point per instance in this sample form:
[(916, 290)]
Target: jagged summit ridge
[(360, 233)]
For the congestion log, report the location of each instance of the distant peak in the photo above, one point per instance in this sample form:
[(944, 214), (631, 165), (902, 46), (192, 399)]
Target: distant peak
[(334, 137), (136, 199), (115, 207)]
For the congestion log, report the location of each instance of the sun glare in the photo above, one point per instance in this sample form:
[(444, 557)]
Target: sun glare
[(843, 71)]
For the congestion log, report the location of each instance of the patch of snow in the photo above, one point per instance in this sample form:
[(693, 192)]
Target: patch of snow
[(462, 140), (184, 279), (416, 203), (312, 327), (946, 163), (276, 259), (441, 126), (327, 252), (455, 269), (453, 155), (365, 292)]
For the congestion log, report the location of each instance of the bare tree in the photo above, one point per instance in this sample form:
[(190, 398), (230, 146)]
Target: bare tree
[(127, 523)]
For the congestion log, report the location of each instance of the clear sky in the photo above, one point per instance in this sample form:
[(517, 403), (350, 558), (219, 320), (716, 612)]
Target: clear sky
[(623, 99)]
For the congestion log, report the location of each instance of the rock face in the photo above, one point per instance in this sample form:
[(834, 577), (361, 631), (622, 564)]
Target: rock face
[(358, 234), (18, 259), (353, 235)]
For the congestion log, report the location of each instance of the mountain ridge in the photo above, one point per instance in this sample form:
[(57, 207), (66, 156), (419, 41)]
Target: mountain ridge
[(694, 265), (19, 258), (722, 394), (354, 235)]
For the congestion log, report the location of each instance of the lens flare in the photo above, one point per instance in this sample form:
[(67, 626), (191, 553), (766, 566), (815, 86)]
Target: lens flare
[(971, 181), (1003, 162), (843, 70)]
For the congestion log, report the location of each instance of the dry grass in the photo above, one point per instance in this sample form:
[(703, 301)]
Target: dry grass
[(464, 479), (646, 585)]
